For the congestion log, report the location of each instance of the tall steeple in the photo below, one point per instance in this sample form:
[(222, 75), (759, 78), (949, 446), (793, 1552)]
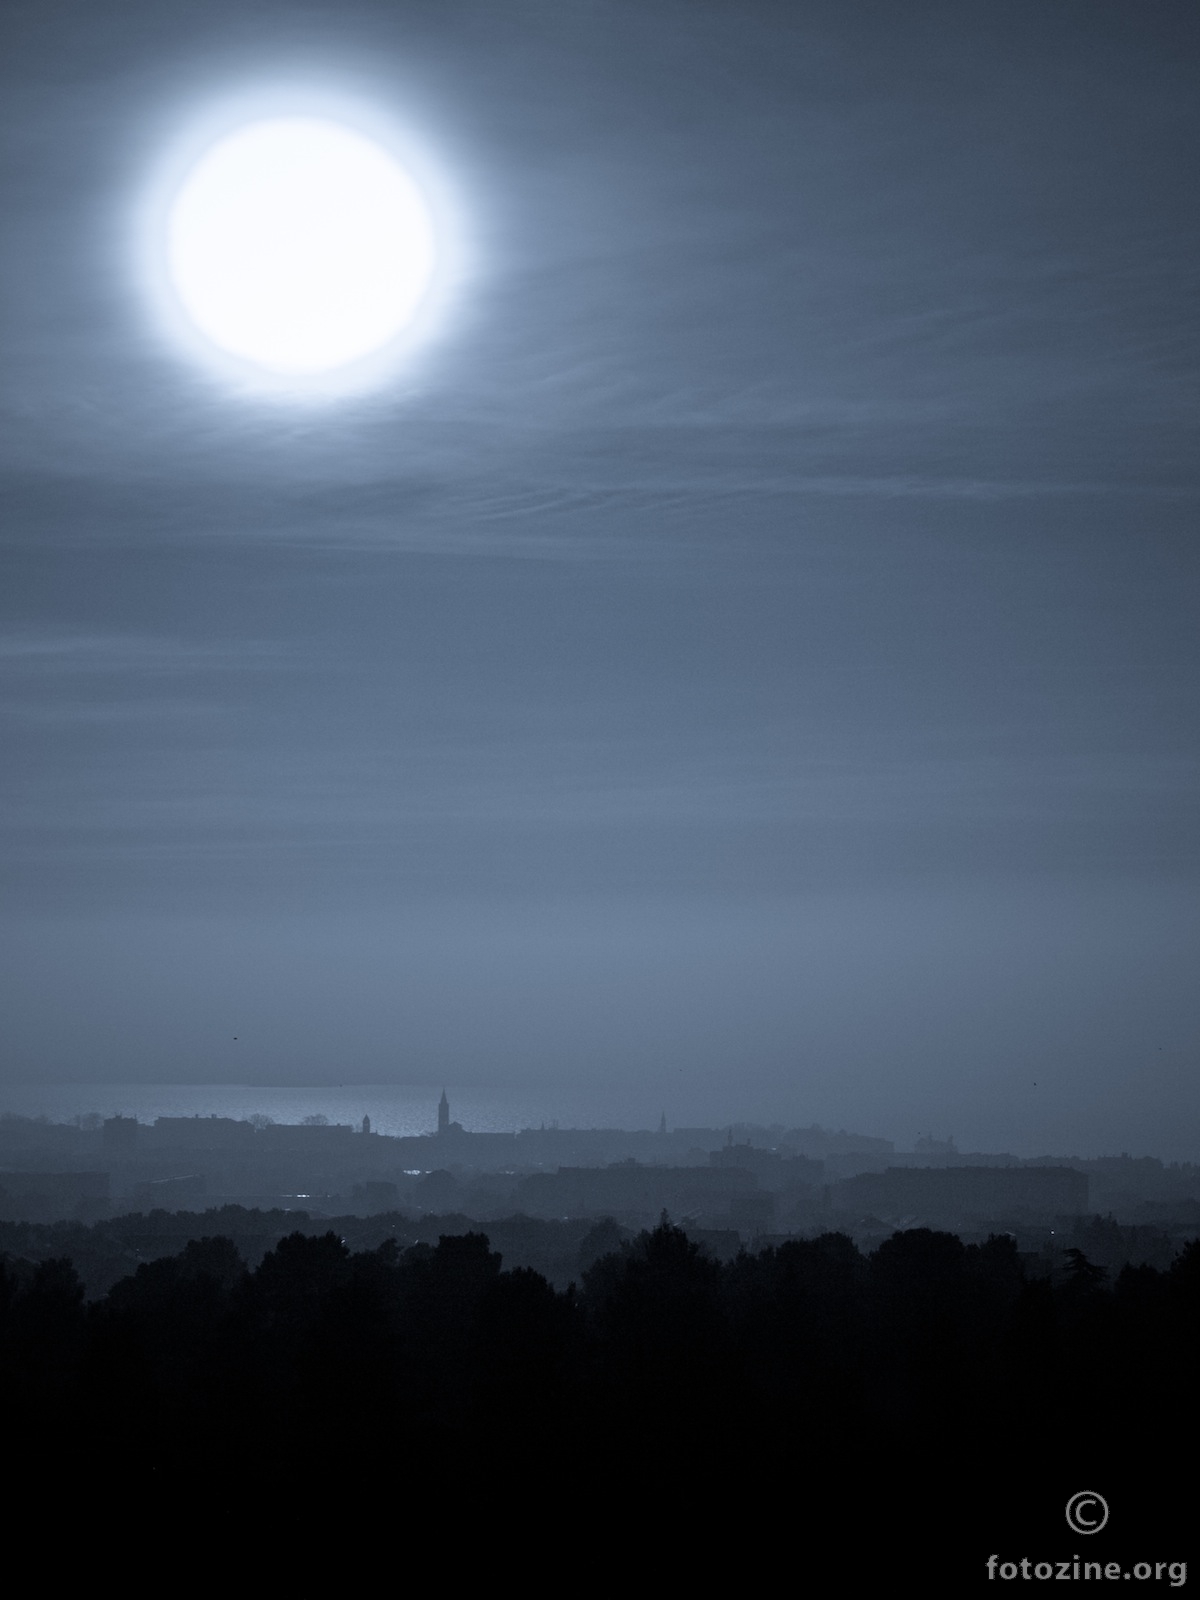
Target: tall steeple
[(443, 1114)]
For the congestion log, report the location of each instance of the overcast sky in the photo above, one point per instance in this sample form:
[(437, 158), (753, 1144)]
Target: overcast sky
[(753, 638)]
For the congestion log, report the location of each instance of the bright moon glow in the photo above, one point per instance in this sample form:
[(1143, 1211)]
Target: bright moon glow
[(300, 246)]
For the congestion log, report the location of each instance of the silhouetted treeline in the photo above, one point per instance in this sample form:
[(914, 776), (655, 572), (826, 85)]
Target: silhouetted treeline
[(793, 1360), (106, 1251)]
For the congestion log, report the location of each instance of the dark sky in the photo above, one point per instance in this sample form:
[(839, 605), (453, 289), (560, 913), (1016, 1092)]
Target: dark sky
[(753, 640)]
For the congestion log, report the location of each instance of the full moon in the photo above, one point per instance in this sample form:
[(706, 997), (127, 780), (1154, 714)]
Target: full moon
[(299, 246)]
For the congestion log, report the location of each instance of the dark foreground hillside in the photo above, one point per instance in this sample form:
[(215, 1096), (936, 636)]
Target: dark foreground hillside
[(928, 1403)]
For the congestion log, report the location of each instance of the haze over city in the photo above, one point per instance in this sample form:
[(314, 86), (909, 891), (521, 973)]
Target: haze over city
[(598, 825)]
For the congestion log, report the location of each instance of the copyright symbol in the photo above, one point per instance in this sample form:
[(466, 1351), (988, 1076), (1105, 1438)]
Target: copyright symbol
[(1086, 1512)]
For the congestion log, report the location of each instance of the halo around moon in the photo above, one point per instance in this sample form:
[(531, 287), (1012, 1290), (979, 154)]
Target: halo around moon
[(299, 246)]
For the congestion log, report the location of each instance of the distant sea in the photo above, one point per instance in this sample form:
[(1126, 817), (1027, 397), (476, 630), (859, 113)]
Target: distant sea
[(403, 1109)]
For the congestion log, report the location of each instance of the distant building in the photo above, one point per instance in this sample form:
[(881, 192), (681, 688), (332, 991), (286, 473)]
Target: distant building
[(53, 1196), (773, 1169), (201, 1133), (119, 1133), (445, 1126), (169, 1194), (323, 1136), (951, 1195), (754, 1211), (366, 1125), (376, 1194), (641, 1193), (54, 1185)]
